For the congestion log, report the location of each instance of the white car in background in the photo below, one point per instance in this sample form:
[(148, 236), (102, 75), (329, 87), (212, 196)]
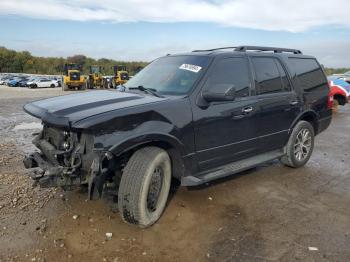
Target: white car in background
[(42, 82)]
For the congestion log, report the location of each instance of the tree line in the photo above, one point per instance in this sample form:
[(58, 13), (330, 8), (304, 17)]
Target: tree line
[(331, 71), (12, 61)]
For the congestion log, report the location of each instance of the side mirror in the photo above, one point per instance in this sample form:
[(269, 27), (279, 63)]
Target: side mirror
[(220, 92)]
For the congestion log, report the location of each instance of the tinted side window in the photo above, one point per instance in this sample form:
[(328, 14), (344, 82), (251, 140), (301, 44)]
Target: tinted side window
[(284, 78), (231, 71), (267, 75), (309, 73)]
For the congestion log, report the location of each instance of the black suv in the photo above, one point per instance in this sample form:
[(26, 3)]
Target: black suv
[(191, 117)]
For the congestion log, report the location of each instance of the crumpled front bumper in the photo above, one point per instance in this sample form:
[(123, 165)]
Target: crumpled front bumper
[(78, 164), (47, 175)]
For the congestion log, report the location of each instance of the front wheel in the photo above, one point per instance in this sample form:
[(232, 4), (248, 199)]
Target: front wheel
[(300, 145), (144, 186)]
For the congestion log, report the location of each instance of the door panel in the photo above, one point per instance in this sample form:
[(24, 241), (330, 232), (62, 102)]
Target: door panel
[(279, 105), (277, 113), (226, 131)]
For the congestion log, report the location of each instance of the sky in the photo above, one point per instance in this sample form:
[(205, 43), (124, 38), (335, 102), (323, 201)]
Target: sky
[(136, 30)]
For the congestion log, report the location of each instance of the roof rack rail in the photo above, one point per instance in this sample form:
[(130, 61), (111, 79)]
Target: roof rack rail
[(264, 48), (214, 49)]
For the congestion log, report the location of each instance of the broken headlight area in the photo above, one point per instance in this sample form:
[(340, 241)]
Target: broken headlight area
[(69, 159), (65, 158)]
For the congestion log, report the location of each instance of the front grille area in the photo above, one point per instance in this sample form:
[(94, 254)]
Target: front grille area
[(74, 76), (66, 148), (57, 146), (54, 136)]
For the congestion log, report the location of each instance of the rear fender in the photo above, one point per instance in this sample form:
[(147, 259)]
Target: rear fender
[(310, 116)]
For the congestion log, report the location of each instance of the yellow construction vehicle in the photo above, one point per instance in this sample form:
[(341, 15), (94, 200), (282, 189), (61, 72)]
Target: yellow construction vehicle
[(121, 75), (95, 78), (72, 78)]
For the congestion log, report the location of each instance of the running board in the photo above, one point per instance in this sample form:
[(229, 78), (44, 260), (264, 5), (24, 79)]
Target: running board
[(230, 169)]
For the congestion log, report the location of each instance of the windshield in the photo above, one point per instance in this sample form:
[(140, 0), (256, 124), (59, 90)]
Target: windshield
[(95, 69), (173, 75)]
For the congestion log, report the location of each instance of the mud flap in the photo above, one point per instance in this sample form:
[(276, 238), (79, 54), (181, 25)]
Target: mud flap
[(96, 180), (96, 185)]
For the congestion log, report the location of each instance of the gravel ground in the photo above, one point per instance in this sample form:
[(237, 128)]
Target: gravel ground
[(269, 213)]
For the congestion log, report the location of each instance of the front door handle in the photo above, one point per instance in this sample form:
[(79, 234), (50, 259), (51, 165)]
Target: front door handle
[(247, 110), (294, 102)]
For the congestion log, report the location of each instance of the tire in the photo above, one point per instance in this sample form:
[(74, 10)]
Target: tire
[(134, 198), (52, 85), (65, 87), (83, 86), (297, 158), (89, 84)]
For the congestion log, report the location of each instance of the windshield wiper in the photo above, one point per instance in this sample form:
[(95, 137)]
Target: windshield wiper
[(151, 91)]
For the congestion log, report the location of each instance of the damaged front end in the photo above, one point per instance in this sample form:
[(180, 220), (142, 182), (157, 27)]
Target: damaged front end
[(66, 159)]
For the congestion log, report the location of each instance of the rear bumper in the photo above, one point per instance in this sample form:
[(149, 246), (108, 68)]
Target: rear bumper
[(324, 124)]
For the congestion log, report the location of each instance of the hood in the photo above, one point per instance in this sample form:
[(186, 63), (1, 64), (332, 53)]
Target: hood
[(63, 111)]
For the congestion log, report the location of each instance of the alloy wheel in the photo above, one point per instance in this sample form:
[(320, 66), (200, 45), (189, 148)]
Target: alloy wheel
[(302, 145)]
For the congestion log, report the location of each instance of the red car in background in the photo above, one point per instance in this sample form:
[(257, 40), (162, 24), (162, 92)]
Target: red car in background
[(340, 92)]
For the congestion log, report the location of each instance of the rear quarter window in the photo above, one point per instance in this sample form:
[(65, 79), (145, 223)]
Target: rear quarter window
[(309, 73)]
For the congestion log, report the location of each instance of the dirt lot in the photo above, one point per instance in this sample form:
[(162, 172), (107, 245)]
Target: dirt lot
[(270, 213)]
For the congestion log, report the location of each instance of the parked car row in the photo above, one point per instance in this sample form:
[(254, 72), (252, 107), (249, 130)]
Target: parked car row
[(30, 81), (345, 76)]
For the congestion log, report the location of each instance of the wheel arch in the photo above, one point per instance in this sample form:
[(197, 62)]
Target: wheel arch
[(309, 116), (340, 98), (172, 145)]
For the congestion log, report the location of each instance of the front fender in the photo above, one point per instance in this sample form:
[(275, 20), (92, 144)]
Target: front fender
[(137, 140), (152, 131)]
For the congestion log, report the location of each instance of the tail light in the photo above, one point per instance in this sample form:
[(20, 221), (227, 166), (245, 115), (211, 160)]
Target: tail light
[(330, 96), (330, 101)]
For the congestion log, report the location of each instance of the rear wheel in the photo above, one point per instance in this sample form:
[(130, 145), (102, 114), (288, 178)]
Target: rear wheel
[(300, 145), (144, 186)]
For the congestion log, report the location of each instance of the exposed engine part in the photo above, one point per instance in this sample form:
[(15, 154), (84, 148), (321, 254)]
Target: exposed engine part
[(65, 158)]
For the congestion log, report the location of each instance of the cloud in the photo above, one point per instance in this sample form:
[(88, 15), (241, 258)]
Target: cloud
[(273, 15), (328, 52)]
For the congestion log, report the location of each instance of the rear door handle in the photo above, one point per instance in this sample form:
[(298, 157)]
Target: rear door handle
[(247, 110), (294, 102)]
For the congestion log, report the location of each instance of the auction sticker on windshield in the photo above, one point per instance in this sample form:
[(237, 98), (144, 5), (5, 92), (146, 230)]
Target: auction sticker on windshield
[(192, 68)]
